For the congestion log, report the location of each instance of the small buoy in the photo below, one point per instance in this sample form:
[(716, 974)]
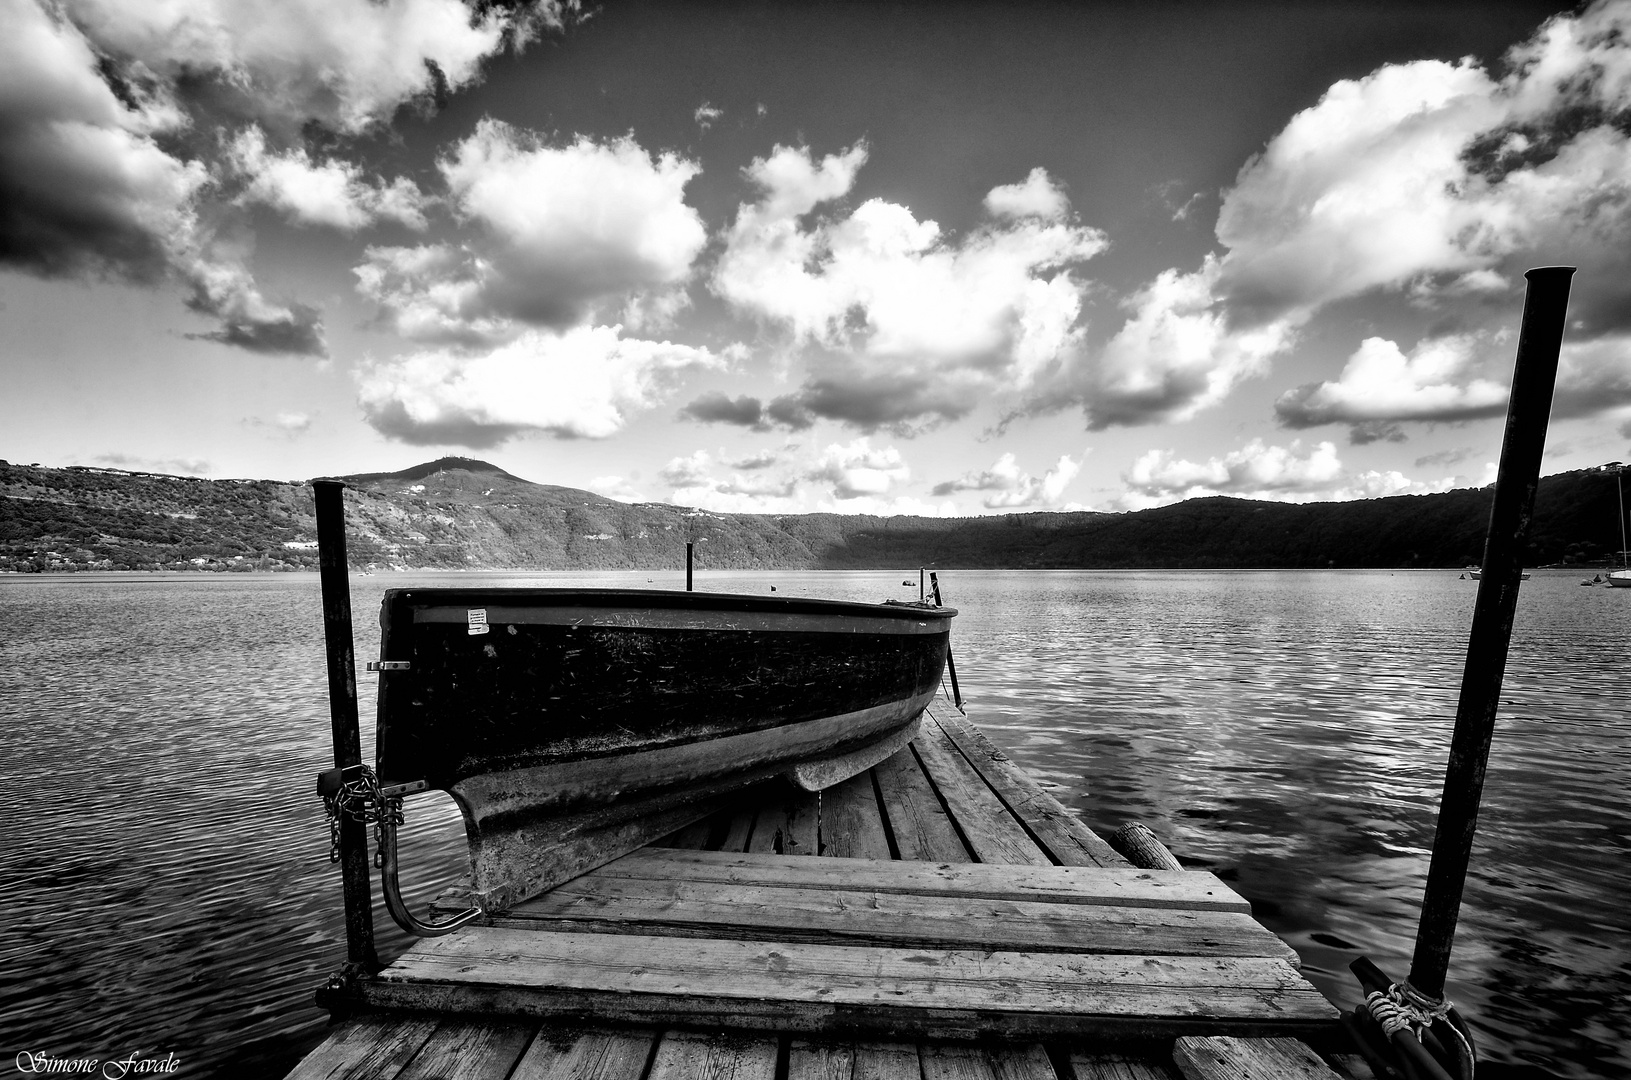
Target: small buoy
[(773, 588)]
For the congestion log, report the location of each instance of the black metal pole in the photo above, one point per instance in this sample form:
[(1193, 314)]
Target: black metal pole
[(688, 566), (342, 702), (951, 666), (1533, 376)]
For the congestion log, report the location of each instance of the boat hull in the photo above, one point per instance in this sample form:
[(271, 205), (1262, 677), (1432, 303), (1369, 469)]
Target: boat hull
[(573, 725)]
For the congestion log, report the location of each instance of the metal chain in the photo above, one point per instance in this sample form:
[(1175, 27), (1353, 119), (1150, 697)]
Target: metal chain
[(360, 800)]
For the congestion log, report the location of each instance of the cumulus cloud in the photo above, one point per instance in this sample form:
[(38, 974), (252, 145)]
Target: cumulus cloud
[(346, 64), (580, 383), (900, 322), (1437, 181), (1260, 471), (1381, 384), (1011, 487), (616, 487), (857, 469), (331, 192), (716, 407), (706, 114), (565, 230)]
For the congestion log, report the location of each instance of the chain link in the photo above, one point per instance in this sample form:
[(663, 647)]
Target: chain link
[(360, 800)]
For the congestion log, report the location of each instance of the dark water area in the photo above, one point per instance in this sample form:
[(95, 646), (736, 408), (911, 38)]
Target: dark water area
[(166, 868)]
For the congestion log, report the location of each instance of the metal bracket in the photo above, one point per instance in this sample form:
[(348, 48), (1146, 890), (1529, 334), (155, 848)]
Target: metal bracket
[(390, 665)]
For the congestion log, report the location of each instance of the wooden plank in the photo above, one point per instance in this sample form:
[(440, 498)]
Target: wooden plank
[(484, 1049), (739, 829), (368, 1047), (912, 811), (1027, 1062), (1047, 884), (851, 822), (693, 837), (984, 821), (1093, 1064), (786, 823), (1067, 839), (1234, 1058), (797, 987), (820, 1060), (560, 1053), (684, 1055), (956, 1061), (887, 1061), (899, 920)]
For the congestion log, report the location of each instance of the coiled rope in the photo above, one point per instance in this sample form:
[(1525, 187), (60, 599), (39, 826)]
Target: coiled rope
[(1403, 1008)]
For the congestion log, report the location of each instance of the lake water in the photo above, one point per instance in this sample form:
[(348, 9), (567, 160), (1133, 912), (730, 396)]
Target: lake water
[(165, 863)]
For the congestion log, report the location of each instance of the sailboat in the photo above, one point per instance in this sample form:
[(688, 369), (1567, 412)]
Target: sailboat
[(1621, 578)]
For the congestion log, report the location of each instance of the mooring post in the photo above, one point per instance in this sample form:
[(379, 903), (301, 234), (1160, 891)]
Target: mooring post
[(951, 666), (688, 546), (342, 703), (1533, 376)]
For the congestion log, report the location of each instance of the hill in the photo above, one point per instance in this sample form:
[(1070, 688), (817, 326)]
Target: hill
[(463, 513)]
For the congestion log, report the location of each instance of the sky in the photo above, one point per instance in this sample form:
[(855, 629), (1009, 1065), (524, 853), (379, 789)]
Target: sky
[(950, 259)]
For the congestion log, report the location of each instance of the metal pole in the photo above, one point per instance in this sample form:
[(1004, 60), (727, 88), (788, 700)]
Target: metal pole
[(688, 566), (1534, 374), (951, 666), (342, 702)]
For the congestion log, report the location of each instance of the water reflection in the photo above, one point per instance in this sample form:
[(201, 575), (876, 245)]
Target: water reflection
[(168, 859)]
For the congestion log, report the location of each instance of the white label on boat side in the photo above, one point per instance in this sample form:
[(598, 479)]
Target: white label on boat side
[(476, 617)]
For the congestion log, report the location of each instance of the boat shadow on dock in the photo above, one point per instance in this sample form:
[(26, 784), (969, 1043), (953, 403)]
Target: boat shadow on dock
[(939, 915)]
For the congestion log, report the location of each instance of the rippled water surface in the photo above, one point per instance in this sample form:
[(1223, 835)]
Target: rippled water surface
[(165, 860)]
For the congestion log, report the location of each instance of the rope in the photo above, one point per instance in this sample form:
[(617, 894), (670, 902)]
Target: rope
[(1403, 1008)]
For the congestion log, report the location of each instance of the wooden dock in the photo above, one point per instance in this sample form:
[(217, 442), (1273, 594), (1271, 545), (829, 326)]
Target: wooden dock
[(958, 922)]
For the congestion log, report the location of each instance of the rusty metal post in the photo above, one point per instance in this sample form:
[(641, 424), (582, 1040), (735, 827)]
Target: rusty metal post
[(342, 700), (1534, 374)]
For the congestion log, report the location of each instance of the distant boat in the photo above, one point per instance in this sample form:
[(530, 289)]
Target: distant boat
[(1478, 575)]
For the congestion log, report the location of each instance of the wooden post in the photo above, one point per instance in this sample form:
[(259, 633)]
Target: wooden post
[(1142, 848), (688, 546), (1534, 374), (342, 701)]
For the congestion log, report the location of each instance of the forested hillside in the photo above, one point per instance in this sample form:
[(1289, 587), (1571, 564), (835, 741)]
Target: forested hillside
[(459, 513)]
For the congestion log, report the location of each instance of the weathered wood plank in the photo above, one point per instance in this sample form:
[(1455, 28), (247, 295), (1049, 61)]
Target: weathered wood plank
[(1234, 1058), (1047, 884), (1027, 1062), (1092, 1064), (786, 823), (801, 988), (739, 829), (955, 1061), (559, 1053), (851, 823), (484, 1049), (912, 811), (899, 920), (1062, 833), (366, 1048), (820, 1060), (887, 1061), (684, 1055), (984, 821), (693, 837)]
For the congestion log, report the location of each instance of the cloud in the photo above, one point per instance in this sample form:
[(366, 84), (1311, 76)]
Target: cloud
[(616, 487), (1445, 457), (899, 322), (580, 383), (1438, 182), (345, 64), (1380, 385), (857, 469), (167, 466), (1260, 471), (716, 407), (706, 114), (1011, 487), (87, 189), (566, 230), (330, 193), (1038, 195)]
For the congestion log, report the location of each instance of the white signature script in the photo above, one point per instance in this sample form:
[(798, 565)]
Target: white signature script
[(116, 1069)]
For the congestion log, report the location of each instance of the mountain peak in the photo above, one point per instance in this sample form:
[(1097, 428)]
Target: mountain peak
[(430, 468)]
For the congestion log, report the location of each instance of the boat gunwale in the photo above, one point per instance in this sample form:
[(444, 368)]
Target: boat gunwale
[(664, 599)]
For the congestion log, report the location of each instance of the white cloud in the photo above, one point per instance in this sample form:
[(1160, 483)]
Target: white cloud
[(914, 324), (330, 192), (1380, 383), (858, 469), (568, 230), (1038, 195), (1260, 471), (616, 487), (1011, 487), (581, 383), (344, 63), (706, 114)]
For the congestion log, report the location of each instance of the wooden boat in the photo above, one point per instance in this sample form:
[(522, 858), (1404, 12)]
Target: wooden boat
[(573, 725)]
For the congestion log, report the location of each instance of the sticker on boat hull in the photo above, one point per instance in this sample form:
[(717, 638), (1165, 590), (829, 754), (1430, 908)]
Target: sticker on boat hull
[(476, 618)]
